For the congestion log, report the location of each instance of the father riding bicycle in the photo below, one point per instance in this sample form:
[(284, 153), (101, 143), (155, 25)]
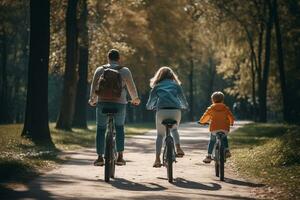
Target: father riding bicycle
[(108, 90)]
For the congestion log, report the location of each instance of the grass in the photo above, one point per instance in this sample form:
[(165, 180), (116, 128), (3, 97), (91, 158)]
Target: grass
[(21, 159), (271, 154)]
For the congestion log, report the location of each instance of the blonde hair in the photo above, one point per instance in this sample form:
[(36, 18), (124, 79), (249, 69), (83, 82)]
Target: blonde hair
[(162, 74), (217, 97)]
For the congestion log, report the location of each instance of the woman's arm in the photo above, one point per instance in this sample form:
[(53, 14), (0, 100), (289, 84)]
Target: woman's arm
[(182, 99), (152, 99)]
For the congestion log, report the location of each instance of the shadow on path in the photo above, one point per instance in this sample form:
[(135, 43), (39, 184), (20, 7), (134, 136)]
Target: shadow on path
[(243, 183), (125, 184), (183, 183), (34, 192)]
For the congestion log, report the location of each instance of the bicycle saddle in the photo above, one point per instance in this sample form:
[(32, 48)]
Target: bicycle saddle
[(109, 110), (169, 122)]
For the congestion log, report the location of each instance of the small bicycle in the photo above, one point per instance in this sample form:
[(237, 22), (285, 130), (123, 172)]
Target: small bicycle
[(110, 142), (219, 154), (169, 154)]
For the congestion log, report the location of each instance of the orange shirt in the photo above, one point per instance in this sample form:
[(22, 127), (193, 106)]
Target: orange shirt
[(219, 116)]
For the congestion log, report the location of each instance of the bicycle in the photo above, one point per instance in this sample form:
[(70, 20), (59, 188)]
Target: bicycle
[(110, 142), (218, 154), (169, 154)]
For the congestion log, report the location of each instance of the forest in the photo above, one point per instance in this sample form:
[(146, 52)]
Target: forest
[(50, 49)]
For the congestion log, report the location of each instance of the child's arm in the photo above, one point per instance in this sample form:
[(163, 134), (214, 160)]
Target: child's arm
[(205, 117), (230, 117)]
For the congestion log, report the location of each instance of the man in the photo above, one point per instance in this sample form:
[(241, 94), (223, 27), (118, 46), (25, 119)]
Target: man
[(117, 103)]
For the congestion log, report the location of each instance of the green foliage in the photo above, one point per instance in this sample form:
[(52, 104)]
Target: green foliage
[(270, 153), (21, 160)]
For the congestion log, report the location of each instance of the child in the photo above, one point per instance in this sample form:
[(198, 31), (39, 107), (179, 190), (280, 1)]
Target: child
[(220, 118), (167, 98)]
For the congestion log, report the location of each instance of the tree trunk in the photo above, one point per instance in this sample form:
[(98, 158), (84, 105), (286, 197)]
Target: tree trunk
[(65, 116), (79, 119), (280, 63), (212, 75), (265, 75), (36, 124), (253, 75), (4, 113), (191, 80)]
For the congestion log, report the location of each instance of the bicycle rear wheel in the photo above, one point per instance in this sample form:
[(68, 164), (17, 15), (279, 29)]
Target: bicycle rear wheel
[(217, 168), (108, 160), (222, 161), (170, 149)]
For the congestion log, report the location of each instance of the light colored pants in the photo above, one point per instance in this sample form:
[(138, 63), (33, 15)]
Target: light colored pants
[(161, 115)]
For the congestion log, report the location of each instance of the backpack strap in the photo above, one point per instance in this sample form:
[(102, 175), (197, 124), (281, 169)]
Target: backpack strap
[(118, 67)]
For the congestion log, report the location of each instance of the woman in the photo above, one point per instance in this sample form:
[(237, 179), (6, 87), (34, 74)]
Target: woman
[(167, 98)]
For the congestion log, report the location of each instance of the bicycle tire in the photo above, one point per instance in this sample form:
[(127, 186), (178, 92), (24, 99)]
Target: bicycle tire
[(217, 169), (108, 152), (170, 162), (222, 161), (113, 162)]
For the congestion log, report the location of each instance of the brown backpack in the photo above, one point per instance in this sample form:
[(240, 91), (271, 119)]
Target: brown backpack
[(110, 84)]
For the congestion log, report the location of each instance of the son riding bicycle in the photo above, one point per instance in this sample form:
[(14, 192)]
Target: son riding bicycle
[(220, 118)]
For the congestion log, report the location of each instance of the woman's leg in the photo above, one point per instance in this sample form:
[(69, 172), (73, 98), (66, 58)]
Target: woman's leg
[(176, 115), (160, 131)]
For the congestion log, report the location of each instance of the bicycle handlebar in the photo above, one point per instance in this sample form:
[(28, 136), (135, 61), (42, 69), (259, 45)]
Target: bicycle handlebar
[(202, 124)]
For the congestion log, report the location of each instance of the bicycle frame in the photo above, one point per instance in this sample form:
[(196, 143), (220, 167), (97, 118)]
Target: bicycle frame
[(168, 140), (219, 155), (219, 139)]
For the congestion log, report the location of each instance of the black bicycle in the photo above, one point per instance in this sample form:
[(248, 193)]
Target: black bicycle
[(169, 154), (110, 143), (219, 155)]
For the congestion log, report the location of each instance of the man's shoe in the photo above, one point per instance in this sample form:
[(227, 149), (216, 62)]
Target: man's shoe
[(207, 159), (227, 154), (120, 161), (179, 153), (99, 161)]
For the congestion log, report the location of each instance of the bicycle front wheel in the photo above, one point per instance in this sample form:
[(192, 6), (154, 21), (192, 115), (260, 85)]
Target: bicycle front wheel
[(170, 149)]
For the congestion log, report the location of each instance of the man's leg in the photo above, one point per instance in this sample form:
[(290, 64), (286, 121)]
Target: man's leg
[(120, 134), (101, 121)]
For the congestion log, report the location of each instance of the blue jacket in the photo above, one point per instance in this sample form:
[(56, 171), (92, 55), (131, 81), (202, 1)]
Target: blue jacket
[(166, 94)]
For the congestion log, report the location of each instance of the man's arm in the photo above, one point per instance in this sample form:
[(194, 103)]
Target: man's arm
[(93, 96), (131, 86)]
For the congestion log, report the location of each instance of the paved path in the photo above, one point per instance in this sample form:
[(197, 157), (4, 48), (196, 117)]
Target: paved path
[(79, 179)]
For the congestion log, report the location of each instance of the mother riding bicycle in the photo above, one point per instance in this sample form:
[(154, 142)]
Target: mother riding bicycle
[(167, 98)]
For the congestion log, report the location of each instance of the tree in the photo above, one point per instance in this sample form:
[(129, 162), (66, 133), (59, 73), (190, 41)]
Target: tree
[(266, 68), (280, 63), (4, 116), (79, 119), (36, 124), (65, 116)]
